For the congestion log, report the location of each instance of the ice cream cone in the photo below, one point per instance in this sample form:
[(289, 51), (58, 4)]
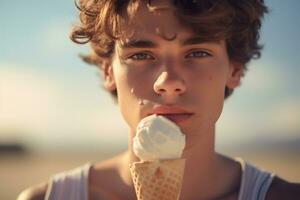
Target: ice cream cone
[(158, 180)]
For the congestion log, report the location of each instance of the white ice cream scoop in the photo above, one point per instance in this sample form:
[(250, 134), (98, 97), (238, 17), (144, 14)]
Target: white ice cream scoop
[(158, 138)]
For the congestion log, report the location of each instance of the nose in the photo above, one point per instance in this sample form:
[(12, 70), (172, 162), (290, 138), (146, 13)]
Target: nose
[(169, 84)]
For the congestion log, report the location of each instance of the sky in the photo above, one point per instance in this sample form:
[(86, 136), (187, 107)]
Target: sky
[(50, 99)]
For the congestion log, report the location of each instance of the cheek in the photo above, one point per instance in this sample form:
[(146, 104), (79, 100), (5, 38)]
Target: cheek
[(126, 100), (128, 77), (209, 87), (141, 78), (215, 86), (215, 97), (130, 86)]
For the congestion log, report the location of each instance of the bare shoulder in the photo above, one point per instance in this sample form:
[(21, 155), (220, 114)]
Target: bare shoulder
[(36, 192), (108, 180), (282, 189), (105, 170)]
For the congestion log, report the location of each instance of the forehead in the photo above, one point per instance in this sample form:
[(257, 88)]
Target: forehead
[(153, 19)]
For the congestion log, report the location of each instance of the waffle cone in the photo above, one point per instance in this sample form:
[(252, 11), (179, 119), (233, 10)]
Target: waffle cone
[(158, 180)]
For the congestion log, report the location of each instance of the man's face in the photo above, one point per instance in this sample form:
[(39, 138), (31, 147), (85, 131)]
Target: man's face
[(160, 66)]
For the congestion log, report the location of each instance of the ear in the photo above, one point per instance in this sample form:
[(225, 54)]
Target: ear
[(109, 79), (235, 74)]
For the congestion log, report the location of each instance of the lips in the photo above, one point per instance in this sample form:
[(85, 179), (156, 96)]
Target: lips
[(173, 113), (177, 118)]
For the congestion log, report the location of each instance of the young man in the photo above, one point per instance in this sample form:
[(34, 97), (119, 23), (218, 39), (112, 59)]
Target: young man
[(179, 59)]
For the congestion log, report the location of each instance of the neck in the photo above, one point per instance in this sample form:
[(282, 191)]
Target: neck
[(201, 166), (208, 175)]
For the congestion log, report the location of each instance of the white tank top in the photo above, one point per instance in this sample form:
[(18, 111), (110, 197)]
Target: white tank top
[(72, 185)]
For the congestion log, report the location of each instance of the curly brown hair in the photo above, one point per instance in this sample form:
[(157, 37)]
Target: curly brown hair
[(236, 21)]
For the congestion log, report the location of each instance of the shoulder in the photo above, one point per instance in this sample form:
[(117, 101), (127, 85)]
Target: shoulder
[(105, 170), (115, 170), (36, 192), (282, 189)]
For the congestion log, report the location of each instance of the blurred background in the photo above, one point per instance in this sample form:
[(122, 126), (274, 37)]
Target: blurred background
[(54, 115)]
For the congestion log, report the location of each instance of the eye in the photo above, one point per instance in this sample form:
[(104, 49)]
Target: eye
[(197, 54), (141, 56)]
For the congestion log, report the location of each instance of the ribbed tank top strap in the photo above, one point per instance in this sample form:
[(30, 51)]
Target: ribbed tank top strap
[(255, 182), (69, 185)]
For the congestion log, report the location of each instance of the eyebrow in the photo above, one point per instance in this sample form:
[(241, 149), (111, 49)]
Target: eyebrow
[(198, 40), (139, 44)]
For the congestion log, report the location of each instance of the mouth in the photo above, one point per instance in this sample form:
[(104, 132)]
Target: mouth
[(177, 118), (173, 113)]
